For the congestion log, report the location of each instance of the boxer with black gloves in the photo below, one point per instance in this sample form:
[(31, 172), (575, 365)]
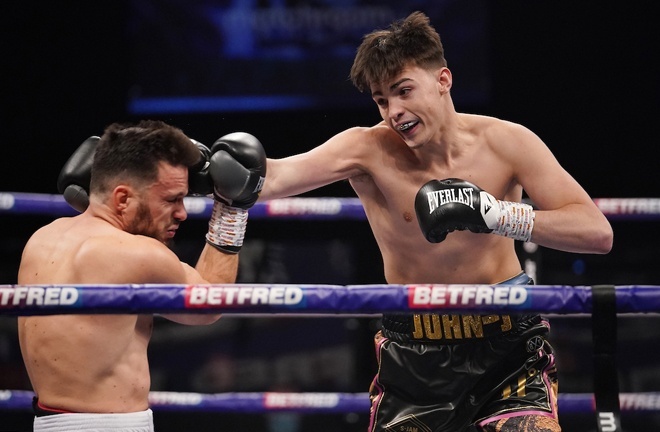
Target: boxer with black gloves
[(75, 176), (91, 372), (233, 171), (497, 371), (443, 206)]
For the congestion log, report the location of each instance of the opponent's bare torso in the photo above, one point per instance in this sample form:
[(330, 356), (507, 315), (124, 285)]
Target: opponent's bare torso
[(85, 363)]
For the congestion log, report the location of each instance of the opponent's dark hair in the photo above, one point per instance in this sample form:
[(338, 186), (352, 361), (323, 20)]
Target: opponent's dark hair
[(132, 152), (384, 53)]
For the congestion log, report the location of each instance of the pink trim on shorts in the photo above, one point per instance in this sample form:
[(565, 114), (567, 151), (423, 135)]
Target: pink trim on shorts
[(552, 400), (53, 410), (376, 400), (545, 322), (516, 414), (551, 394)]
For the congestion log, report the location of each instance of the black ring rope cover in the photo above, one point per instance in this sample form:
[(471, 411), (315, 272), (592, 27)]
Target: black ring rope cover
[(604, 332)]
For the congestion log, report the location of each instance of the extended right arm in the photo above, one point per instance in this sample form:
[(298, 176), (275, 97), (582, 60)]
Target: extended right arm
[(339, 158)]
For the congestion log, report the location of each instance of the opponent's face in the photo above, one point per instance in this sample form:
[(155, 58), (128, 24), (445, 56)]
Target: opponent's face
[(160, 209), (410, 103)]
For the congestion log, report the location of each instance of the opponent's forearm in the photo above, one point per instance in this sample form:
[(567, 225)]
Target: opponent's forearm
[(216, 266)]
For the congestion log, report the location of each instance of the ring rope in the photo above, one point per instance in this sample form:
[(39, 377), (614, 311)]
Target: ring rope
[(315, 299), (50, 299), (302, 208), (320, 403)]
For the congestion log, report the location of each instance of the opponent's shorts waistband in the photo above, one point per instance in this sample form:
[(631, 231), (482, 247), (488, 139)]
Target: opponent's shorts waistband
[(41, 410), (141, 421), (456, 328)]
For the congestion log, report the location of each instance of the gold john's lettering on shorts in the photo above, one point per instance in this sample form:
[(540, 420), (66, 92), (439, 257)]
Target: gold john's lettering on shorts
[(458, 327)]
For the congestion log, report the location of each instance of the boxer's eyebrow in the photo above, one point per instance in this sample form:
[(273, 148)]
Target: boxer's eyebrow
[(378, 93)]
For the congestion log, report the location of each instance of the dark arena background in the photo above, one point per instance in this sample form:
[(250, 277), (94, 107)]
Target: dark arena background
[(583, 75)]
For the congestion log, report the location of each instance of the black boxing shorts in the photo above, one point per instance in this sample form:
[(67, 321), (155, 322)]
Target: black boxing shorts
[(447, 373)]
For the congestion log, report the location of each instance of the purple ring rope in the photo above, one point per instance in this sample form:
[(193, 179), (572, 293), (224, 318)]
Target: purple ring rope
[(302, 208), (200, 207), (293, 299), (315, 403), (315, 299)]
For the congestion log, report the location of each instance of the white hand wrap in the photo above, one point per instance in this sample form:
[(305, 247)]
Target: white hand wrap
[(227, 227), (515, 220)]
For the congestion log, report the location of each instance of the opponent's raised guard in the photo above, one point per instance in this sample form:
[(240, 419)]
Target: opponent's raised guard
[(232, 171), (91, 372), (199, 180), (237, 169), (76, 174), (443, 206)]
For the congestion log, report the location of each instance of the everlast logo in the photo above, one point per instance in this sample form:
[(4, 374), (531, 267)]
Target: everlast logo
[(434, 327), (445, 196)]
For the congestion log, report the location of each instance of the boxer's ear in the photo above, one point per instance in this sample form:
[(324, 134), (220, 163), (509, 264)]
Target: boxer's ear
[(444, 78)]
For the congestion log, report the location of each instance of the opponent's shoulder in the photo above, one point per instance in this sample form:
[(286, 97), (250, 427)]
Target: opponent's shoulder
[(128, 258), (56, 226), (49, 239)]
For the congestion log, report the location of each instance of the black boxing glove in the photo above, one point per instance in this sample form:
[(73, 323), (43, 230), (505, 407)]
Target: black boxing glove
[(75, 177), (199, 179), (237, 167), (443, 206), (76, 174)]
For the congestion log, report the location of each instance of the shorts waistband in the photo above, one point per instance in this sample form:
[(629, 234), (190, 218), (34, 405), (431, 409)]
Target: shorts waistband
[(41, 410), (141, 421), (455, 328)]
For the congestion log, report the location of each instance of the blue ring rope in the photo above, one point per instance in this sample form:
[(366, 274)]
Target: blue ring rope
[(315, 299), (325, 208)]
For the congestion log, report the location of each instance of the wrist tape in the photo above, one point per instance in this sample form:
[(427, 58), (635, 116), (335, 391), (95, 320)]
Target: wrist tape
[(227, 227), (516, 220)]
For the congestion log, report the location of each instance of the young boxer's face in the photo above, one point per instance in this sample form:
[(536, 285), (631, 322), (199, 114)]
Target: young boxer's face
[(410, 103)]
